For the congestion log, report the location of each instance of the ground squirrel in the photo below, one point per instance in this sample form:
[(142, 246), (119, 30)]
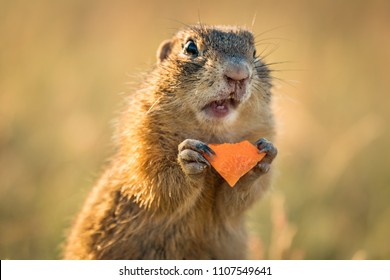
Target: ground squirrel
[(159, 198)]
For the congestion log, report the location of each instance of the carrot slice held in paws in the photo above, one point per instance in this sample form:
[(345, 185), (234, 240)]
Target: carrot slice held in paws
[(232, 161)]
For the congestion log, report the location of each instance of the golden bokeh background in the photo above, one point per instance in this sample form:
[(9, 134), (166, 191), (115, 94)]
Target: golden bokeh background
[(64, 66)]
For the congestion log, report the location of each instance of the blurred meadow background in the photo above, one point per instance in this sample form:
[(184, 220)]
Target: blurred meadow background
[(66, 65)]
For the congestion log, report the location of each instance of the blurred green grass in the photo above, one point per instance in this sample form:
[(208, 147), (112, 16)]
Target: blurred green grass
[(65, 64)]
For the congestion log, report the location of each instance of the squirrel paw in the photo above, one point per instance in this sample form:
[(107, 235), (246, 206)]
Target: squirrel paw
[(265, 164), (191, 156)]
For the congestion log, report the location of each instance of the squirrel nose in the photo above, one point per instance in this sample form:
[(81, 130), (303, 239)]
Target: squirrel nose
[(236, 71)]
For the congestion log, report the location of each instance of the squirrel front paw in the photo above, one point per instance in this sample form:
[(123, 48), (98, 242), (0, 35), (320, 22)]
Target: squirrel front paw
[(265, 146), (191, 157)]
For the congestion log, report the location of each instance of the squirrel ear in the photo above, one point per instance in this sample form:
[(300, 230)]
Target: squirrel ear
[(164, 50)]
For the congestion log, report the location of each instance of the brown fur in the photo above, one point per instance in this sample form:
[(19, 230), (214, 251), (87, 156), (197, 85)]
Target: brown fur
[(145, 206)]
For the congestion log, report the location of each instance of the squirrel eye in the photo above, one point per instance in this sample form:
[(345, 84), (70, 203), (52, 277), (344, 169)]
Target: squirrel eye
[(190, 48), (254, 53)]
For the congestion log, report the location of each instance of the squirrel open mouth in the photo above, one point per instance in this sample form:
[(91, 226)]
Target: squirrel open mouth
[(221, 108)]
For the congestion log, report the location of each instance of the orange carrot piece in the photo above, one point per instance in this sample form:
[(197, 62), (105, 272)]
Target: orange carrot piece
[(232, 161)]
